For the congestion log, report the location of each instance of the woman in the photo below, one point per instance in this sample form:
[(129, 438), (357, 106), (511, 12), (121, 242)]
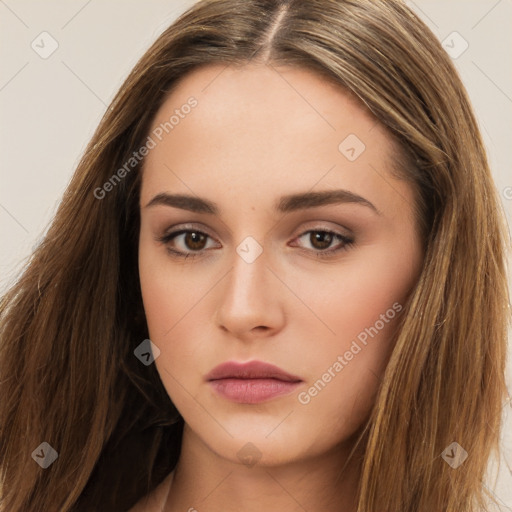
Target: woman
[(275, 282)]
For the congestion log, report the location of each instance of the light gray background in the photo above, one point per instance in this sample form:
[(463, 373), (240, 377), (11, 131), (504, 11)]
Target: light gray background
[(50, 107)]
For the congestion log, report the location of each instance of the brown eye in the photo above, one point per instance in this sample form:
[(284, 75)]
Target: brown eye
[(187, 243), (321, 242), (195, 240), (321, 239)]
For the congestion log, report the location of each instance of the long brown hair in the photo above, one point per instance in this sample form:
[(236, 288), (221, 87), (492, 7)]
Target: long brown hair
[(71, 322)]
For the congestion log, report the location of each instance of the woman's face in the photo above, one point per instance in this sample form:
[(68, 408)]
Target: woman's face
[(266, 163)]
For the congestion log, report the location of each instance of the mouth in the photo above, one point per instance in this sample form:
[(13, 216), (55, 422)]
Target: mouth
[(251, 383)]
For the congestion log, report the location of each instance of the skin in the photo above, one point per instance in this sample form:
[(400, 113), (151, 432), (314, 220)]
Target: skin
[(259, 133)]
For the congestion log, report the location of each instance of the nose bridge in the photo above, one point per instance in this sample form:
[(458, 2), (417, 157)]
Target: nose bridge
[(249, 258), (248, 299), (248, 274)]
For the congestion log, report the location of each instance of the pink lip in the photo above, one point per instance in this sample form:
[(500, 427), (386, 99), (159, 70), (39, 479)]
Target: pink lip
[(251, 383)]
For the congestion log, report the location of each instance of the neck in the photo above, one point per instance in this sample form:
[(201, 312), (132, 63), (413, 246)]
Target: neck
[(205, 481)]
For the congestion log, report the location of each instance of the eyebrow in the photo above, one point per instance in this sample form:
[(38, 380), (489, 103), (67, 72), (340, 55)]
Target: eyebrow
[(286, 204)]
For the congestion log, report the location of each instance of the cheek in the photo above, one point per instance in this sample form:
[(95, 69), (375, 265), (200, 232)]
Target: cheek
[(173, 301), (343, 379), (359, 294), (345, 371), (361, 304), (167, 294)]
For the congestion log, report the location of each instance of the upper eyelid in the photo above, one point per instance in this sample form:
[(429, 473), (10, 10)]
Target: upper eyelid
[(312, 226), (186, 227)]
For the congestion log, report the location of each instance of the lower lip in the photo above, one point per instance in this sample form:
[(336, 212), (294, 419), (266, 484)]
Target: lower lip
[(252, 391)]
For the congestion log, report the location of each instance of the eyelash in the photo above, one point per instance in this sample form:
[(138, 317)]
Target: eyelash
[(347, 243)]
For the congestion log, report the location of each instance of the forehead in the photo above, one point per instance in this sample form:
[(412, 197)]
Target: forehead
[(266, 128), (260, 94)]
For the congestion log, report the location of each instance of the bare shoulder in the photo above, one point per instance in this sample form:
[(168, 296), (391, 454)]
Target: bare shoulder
[(154, 501)]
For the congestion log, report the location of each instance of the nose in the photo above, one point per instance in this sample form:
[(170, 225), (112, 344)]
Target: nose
[(250, 304)]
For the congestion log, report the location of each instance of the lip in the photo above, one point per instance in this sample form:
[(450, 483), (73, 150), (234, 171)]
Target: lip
[(251, 383)]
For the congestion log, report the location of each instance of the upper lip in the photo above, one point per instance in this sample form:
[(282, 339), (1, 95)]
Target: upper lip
[(250, 370)]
